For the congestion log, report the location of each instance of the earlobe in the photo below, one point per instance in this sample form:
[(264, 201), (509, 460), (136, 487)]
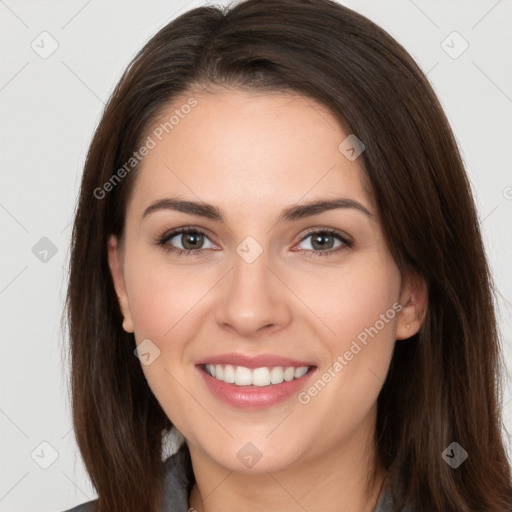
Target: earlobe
[(414, 299), (116, 270)]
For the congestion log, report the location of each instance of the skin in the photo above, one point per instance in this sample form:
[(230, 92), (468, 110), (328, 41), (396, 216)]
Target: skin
[(252, 155)]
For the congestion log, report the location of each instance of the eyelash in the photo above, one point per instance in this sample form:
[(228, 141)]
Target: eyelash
[(164, 239)]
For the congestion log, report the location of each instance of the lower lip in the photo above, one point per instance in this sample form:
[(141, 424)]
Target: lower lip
[(254, 397)]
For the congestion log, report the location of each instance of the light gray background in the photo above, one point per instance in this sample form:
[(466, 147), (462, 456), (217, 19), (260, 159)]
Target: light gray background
[(49, 109)]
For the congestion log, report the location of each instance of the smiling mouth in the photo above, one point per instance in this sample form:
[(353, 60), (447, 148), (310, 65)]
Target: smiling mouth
[(257, 377)]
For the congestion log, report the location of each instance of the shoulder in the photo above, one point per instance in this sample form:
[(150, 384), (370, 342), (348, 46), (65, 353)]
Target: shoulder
[(178, 481), (89, 506)]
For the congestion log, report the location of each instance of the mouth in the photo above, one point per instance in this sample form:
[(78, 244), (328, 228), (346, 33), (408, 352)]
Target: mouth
[(256, 377), (248, 382)]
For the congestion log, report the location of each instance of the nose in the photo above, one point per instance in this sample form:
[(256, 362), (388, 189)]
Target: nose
[(253, 300)]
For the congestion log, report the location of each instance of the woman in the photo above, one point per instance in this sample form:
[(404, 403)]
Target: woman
[(276, 255)]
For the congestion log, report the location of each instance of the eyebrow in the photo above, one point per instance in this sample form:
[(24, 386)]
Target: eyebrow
[(291, 213)]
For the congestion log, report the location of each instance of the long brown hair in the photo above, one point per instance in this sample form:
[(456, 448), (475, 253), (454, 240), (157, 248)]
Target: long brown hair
[(444, 383)]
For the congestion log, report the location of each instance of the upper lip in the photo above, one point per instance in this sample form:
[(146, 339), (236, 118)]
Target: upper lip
[(248, 361)]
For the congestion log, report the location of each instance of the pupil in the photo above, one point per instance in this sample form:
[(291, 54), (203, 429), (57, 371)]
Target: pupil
[(319, 242), (194, 238)]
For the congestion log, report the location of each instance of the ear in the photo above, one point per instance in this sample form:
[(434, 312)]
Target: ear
[(116, 270), (414, 301)]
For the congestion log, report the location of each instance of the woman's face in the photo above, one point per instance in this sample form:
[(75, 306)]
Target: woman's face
[(272, 289)]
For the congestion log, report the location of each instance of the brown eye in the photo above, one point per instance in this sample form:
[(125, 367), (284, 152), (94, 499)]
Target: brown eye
[(322, 241), (325, 242), (186, 241), (191, 241)]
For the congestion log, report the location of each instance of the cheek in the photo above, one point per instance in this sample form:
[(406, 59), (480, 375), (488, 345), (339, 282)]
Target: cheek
[(162, 306), (359, 306), (353, 297), (165, 302), (163, 298)]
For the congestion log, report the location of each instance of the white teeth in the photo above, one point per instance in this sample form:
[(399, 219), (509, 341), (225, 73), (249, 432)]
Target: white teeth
[(243, 376), (300, 372), (276, 375), (289, 373), (261, 377), (229, 374), (264, 376)]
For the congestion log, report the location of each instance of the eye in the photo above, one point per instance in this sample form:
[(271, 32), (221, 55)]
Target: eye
[(325, 242), (185, 241), (190, 241)]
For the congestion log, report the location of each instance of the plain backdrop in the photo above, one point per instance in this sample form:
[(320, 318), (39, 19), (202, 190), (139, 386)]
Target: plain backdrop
[(60, 62)]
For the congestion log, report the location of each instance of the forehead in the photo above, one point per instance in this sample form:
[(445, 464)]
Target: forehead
[(247, 150)]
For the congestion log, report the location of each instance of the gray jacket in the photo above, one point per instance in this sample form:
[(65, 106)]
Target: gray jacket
[(179, 481)]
